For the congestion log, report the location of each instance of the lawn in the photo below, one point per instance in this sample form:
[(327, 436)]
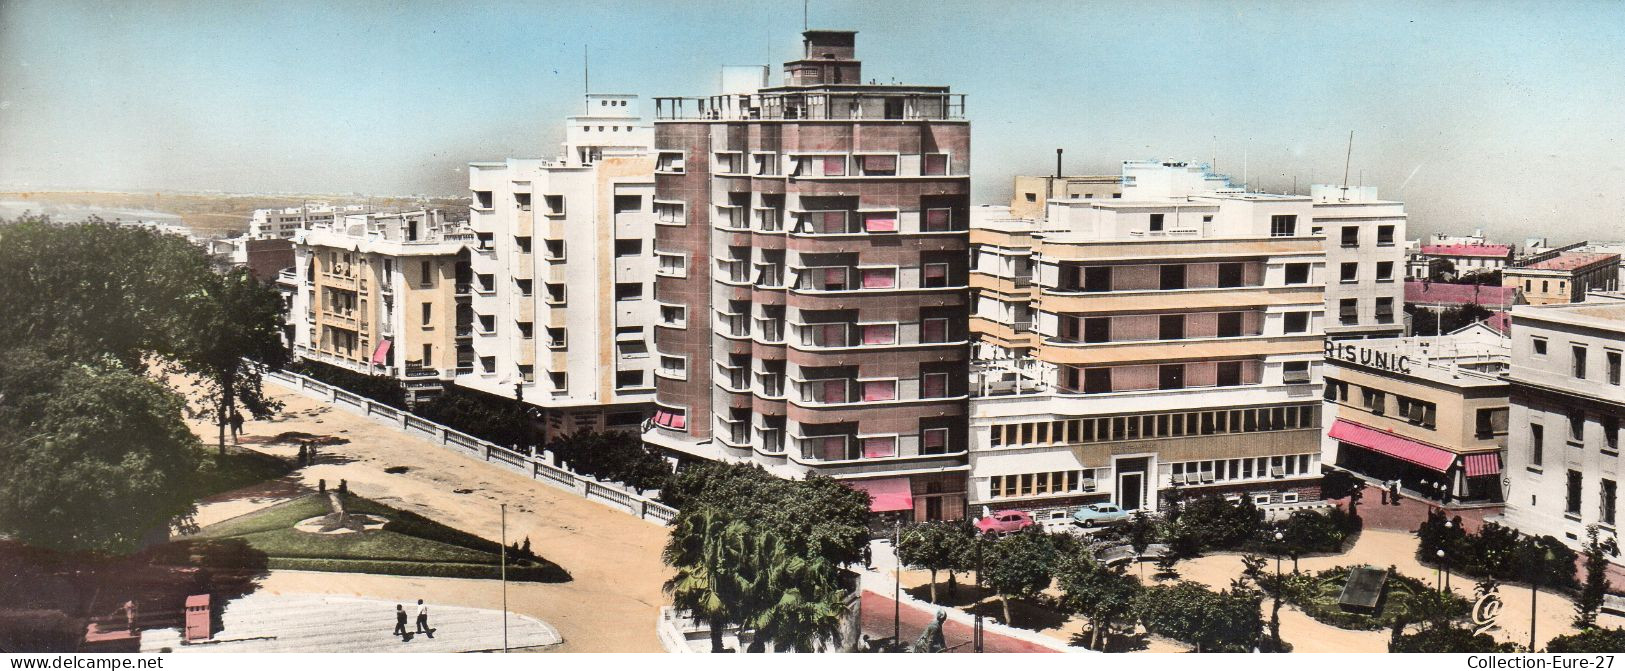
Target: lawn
[(235, 469), (409, 544)]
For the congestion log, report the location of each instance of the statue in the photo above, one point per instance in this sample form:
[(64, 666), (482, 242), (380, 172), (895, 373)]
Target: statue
[(931, 639)]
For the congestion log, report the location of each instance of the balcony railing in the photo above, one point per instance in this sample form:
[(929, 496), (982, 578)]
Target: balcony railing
[(863, 103), (737, 325)]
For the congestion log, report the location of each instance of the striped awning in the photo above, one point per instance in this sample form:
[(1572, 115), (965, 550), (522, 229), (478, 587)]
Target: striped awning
[(1398, 447), (1488, 463)]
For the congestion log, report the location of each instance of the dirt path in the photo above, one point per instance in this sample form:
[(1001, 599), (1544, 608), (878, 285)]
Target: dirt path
[(610, 606)]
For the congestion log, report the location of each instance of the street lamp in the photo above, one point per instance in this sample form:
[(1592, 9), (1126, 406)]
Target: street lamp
[(1438, 576), (1278, 548), (897, 591), (1533, 576), (504, 560)]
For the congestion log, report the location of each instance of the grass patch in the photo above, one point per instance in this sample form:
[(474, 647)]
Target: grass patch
[(1317, 595), (409, 544), (237, 468)]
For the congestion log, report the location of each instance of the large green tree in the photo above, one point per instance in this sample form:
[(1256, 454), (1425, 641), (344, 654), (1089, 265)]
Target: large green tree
[(93, 456), (1595, 588), (707, 550), (233, 317), (1102, 594), (934, 546), (1225, 621), (1019, 565)]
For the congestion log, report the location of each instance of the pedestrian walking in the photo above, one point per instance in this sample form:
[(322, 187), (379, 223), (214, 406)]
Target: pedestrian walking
[(236, 425), (1393, 491), (423, 620), (304, 456), (1384, 492), (400, 621)]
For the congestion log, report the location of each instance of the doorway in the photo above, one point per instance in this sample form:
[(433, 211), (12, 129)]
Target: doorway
[(1128, 490)]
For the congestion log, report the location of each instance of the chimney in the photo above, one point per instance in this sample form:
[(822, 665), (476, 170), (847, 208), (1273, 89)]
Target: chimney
[(1057, 163)]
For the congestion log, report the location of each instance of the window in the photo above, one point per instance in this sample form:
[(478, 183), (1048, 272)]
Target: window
[(1097, 278), (1348, 311), (1297, 273), (1385, 271), (1232, 274), (1490, 422), (555, 294), (1230, 324), (557, 338), (428, 355), (879, 165), (1295, 322), (879, 278), (937, 164), (1295, 372), (673, 315), (1539, 345), (1375, 401), (671, 419), (1385, 310), (880, 222), (555, 249), (1171, 376), (428, 311), (554, 203), (1577, 426), (1031, 197), (1171, 327), (1350, 273), (934, 330), (1172, 277), (669, 161), (1229, 373), (879, 334), (937, 219), (1097, 380), (674, 367), (628, 202), (1420, 413), (834, 166), (427, 272), (934, 385), (669, 213), (1610, 492), (482, 200), (1575, 489), (879, 448), (1613, 368), (1537, 444), (1097, 329), (1156, 222), (1283, 225), (934, 441), (934, 275), (1579, 361), (1385, 235), (1610, 432), (628, 291), (671, 265), (1351, 236), (880, 390)]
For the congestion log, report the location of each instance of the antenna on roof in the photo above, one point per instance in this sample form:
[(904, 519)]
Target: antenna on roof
[(586, 80), (804, 16), (1346, 157)]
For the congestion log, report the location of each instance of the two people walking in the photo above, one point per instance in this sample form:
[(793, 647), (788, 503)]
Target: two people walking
[(422, 622)]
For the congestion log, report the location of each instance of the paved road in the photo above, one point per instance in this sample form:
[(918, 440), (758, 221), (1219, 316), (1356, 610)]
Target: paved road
[(877, 624), (263, 622)]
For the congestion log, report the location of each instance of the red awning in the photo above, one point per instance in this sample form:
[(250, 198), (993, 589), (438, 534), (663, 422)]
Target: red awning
[(382, 353), (1488, 463), (1394, 446), (886, 494)]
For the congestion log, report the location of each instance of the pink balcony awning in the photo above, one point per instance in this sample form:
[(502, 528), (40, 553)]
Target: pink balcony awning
[(1488, 463), (886, 495), (380, 355), (880, 223), (1405, 449)]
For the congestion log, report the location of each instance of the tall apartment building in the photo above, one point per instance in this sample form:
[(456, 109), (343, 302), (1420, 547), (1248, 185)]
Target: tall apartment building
[(378, 293), (284, 223), (1167, 338), (812, 250), (1365, 250), (562, 274), (1430, 412), (1563, 459)]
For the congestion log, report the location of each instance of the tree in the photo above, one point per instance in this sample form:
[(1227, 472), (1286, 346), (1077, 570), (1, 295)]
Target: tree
[(1104, 595), (1019, 565), (1595, 587), (706, 548), (794, 602), (1226, 621), (1339, 484), (234, 317), (933, 546), (1595, 639), (92, 455)]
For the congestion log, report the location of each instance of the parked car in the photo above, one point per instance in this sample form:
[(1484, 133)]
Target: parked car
[(1004, 522), (1099, 514)]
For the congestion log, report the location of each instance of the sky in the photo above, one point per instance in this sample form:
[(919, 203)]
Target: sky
[(1507, 116)]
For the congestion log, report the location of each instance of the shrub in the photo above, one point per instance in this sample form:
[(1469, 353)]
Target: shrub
[(1227, 621), (381, 388), (1497, 552), (1448, 639), (1212, 523), (1590, 640), (1307, 531)]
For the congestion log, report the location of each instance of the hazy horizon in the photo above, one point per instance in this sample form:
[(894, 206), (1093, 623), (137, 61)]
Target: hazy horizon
[(1496, 115)]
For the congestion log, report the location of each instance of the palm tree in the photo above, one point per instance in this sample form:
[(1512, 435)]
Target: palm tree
[(794, 602), (706, 547)]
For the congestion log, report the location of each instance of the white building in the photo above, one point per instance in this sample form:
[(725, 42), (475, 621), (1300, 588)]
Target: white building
[(287, 221), (562, 273), (1563, 462), (1365, 292)]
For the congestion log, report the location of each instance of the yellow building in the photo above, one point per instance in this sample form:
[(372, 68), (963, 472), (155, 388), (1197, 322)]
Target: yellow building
[(1033, 193), (1564, 277)]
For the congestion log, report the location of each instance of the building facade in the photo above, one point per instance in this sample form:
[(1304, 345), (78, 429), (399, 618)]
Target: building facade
[(1563, 463), (1033, 194), (377, 294), (561, 274), (1564, 277), (1470, 258), (1365, 254), (285, 223), (811, 249), (1168, 338), (1430, 412)]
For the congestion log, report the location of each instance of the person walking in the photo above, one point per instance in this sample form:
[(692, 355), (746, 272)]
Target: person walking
[(1393, 491), (423, 620), (400, 621), (236, 425)]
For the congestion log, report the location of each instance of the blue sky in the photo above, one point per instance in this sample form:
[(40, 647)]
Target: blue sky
[(1503, 115)]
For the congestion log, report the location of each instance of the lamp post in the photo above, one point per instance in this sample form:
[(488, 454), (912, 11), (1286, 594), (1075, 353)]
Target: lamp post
[(897, 590), (1278, 548), (1438, 574), (1534, 575), (504, 561)]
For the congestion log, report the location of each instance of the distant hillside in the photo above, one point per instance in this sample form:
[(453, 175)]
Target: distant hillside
[(218, 214)]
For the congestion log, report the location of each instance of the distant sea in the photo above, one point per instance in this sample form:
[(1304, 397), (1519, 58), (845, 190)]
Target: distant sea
[(11, 209)]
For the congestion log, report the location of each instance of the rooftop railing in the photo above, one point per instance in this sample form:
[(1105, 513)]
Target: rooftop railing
[(818, 106)]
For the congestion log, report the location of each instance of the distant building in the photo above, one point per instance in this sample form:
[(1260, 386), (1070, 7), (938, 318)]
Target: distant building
[(1428, 411), (1470, 258), (1563, 460), (1564, 277), (1032, 194), (562, 303), (1364, 256), (379, 294), (284, 223)]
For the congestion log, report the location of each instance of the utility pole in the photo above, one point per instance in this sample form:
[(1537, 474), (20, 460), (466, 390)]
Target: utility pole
[(897, 591), (504, 577), (1346, 158)]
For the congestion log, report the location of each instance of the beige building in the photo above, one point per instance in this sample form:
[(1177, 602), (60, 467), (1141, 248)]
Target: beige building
[(378, 294), (1562, 277), (1032, 194), (562, 274), (1428, 411)]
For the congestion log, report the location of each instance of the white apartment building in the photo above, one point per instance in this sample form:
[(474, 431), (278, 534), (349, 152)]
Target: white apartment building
[(562, 273), (1168, 337), (285, 222), (376, 293), (1563, 463), (1365, 254)]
